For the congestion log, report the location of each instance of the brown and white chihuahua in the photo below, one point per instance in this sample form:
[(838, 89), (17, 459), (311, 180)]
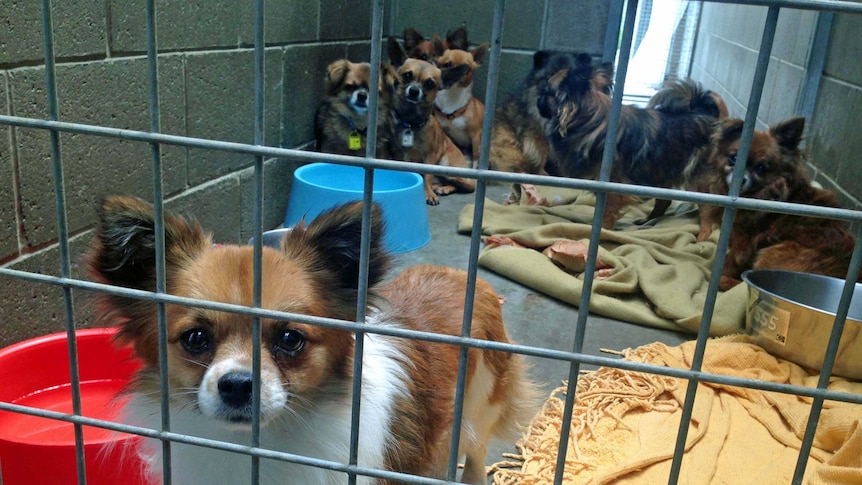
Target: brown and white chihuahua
[(416, 131), (408, 386), (341, 120), (458, 111)]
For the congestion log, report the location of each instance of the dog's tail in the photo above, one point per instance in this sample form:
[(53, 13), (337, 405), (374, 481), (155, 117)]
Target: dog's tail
[(688, 96)]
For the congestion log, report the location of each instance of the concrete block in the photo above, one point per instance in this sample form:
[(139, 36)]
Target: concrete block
[(33, 309), (181, 25), (845, 50), (779, 101), (284, 21), (277, 180), (793, 35), (522, 22), (361, 52), (576, 26), (79, 30), (220, 104), (217, 206), (8, 217), (341, 20), (833, 140), (304, 71), (109, 93)]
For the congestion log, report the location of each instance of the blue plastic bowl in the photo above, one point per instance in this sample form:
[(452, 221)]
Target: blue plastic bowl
[(321, 186)]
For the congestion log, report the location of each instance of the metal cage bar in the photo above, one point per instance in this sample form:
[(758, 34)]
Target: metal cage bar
[(63, 232), (259, 151)]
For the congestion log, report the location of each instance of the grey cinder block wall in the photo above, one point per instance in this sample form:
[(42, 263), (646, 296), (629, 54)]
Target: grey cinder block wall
[(725, 57), (206, 90)]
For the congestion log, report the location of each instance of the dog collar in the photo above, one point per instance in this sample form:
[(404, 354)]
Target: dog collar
[(404, 124), (353, 125), (450, 116)]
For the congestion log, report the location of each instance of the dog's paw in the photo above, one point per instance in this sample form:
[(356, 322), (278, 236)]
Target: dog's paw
[(432, 201), (444, 189)]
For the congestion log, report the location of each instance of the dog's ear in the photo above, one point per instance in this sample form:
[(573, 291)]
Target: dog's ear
[(583, 60), (452, 75), (727, 131), (124, 249), (788, 133), (397, 54), (389, 78), (336, 72), (480, 52), (437, 46), (329, 246), (540, 59), (412, 38), (578, 80), (457, 38), (603, 78)]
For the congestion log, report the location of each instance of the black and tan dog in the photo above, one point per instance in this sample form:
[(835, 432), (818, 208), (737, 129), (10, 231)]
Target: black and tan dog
[(518, 139), (417, 133), (657, 146), (341, 120)]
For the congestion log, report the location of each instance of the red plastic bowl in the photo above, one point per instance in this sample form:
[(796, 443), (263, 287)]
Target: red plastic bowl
[(42, 451)]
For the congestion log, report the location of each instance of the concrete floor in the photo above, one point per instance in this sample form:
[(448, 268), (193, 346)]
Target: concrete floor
[(531, 318)]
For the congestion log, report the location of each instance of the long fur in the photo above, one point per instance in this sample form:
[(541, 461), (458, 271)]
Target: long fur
[(654, 146), (306, 370), (775, 170), (343, 111), (518, 139)]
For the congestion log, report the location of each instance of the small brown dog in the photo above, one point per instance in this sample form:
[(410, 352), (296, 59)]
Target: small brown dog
[(417, 133), (341, 120), (775, 171), (418, 47), (458, 111)]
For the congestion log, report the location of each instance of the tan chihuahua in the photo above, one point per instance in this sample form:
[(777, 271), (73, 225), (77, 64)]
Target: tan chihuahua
[(418, 134), (458, 111)]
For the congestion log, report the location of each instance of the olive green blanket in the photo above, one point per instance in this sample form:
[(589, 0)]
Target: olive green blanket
[(652, 275)]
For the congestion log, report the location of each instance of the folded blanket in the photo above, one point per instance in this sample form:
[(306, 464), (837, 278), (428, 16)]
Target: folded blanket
[(655, 275), (625, 424)]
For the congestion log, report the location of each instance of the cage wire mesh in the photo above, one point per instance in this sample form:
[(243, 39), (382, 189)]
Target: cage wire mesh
[(634, 32)]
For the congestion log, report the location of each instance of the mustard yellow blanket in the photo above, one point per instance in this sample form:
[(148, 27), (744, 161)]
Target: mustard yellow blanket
[(655, 276), (625, 424)]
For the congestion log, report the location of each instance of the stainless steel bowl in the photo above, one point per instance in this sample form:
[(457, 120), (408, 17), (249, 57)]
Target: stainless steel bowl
[(791, 315)]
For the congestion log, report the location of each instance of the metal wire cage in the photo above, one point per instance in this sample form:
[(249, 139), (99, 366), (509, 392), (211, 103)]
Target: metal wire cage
[(576, 357)]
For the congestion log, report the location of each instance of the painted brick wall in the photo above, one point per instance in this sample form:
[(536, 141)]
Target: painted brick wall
[(206, 73)]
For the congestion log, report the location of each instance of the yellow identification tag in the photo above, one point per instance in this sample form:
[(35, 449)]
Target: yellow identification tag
[(354, 141)]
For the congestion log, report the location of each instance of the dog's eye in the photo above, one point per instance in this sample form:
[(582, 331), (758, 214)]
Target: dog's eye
[(429, 84), (731, 160), (196, 341), (760, 169), (448, 64), (424, 57), (290, 341), (407, 76)]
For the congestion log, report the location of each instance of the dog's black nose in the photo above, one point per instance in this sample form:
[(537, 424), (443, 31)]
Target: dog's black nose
[(413, 93), (361, 96), (234, 388)]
